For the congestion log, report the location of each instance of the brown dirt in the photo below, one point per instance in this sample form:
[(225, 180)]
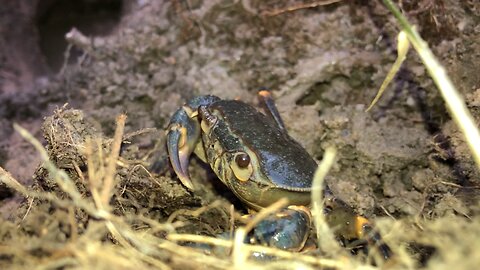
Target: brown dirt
[(406, 159)]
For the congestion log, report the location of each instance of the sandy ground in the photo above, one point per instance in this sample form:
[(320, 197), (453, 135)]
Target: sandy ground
[(404, 164)]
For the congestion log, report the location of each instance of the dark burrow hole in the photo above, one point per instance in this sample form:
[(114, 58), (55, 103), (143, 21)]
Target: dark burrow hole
[(54, 18)]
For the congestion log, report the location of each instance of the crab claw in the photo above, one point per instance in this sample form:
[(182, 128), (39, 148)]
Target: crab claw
[(182, 135), (287, 229)]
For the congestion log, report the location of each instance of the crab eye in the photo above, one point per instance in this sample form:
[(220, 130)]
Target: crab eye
[(242, 160), (241, 166)]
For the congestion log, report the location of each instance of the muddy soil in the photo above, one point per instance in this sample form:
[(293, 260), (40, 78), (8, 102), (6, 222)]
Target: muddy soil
[(405, 164)]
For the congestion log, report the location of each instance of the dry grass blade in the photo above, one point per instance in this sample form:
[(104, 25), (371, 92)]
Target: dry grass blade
[(299, 6), (327, 240), (239, 253), (8, 179), (402, 50), (112, 161), (265, 213)]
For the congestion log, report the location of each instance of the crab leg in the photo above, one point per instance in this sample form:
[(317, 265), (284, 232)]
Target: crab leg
[(349, 225), (366, 231), (266, 100)]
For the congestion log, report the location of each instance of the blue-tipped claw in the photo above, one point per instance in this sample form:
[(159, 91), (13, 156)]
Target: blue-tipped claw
[(287, 229), (182, 136)]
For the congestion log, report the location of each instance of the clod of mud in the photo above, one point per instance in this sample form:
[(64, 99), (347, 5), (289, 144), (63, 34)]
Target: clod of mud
[(69, 135)]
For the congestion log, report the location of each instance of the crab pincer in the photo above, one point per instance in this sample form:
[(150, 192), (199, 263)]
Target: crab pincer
[(183, 134)]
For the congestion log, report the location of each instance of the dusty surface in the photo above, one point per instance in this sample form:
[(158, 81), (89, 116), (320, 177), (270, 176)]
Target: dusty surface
[(405, 159)]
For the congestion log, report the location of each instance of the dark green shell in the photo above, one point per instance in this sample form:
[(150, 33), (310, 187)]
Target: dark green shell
[(283, 160)]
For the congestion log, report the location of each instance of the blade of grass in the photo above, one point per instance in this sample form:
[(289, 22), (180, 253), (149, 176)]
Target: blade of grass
[(402, 50), (8, 179), (325, 236), (112, 161)]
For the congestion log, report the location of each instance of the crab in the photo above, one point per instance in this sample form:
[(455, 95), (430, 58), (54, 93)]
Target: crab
[(253, 155)]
